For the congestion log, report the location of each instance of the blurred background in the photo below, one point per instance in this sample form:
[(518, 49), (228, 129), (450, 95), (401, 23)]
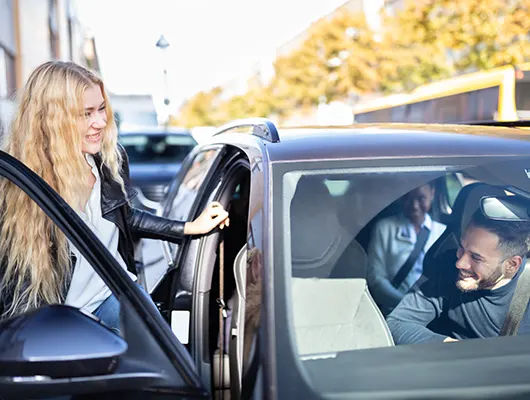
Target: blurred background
[(177, 69), (198, 64)]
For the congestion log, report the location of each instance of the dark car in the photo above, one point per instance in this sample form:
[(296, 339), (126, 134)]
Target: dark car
[(277, 304), (155, 156)]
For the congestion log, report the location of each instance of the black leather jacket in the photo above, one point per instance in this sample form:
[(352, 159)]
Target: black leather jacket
[(131, 222)]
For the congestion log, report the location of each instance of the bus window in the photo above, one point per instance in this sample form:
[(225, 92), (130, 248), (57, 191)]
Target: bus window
[(374, 116), (485, 104), (449, 109), (522, 99), (417, 112), (398, 114)]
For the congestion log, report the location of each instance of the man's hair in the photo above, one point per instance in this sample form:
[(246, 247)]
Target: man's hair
[(514, 236)]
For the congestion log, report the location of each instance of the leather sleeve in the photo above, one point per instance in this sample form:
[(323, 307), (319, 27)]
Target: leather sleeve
[(146, 225)]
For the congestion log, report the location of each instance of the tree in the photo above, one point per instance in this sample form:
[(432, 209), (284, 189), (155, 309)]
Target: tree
[(462, 35), (486, 33), (200, 109), (341, 56), (337, 58), (410, 53)]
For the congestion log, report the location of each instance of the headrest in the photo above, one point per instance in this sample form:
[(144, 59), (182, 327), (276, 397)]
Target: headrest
[(466, 204), (317, 238)]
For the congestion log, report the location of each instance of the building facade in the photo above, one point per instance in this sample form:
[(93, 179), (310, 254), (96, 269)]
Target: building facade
[(35, 31)]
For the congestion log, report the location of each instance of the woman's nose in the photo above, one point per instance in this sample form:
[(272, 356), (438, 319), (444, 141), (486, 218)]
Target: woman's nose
[(99, 121)]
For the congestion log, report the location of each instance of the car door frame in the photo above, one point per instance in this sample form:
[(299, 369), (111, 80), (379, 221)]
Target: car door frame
[(175, 274), (204, 259)]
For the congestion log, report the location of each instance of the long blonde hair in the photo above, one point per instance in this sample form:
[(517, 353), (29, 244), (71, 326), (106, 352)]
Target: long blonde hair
[(45, 136)]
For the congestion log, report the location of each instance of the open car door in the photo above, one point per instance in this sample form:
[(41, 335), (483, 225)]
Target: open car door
[(57, 350)]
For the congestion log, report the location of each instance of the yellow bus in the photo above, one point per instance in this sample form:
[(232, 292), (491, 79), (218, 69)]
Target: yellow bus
[(498, 94)]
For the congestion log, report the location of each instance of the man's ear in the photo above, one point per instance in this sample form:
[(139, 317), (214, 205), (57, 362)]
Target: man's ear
[(513, 264)]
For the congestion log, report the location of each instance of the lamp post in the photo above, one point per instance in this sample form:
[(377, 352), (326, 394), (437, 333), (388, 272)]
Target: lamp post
[(163, 44)]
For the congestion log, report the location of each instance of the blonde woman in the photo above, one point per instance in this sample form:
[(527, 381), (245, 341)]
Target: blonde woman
[(64, 131)]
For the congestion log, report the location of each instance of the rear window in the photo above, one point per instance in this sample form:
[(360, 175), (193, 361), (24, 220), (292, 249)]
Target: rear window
[(162, 148)]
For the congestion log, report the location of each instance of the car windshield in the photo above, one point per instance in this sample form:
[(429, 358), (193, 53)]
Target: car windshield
[(157, 148), (349, 227)]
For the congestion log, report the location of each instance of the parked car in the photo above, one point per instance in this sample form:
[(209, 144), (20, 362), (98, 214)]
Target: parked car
[(155, 156), (276, 305)]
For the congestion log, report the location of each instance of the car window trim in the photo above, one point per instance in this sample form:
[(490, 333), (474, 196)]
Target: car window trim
[(177, 258)]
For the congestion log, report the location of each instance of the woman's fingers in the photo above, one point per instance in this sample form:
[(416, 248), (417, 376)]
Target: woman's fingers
[(215, 204)]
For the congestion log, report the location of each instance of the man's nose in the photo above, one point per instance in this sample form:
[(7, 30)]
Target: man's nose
[(462, 262)]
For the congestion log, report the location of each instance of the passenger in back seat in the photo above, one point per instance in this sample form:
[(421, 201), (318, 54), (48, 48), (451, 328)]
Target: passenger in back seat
[(397, 247)]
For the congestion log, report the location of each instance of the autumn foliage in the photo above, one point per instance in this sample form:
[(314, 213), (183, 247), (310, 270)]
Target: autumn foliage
[(343, 58)]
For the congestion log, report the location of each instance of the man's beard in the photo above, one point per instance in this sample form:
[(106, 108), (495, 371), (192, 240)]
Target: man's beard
[(473, 283)]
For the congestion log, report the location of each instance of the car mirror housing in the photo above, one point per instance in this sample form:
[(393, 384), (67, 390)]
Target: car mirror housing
[(58, 341), (506, 208)]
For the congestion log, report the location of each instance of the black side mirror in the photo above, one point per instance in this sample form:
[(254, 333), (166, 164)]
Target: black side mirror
[(506, 208), (58, 342)]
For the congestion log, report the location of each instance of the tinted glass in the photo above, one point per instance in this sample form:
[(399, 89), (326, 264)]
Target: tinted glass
[(522, 99), (478, 105), (163, 148), (331, 248), (82, 287), (188, 189), (374, 116)]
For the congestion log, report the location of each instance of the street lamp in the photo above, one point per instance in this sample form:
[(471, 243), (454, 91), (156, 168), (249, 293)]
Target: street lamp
[(163, 44)]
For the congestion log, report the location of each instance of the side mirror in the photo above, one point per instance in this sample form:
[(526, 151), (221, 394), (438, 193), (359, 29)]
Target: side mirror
[(58, 341), (506, 208)]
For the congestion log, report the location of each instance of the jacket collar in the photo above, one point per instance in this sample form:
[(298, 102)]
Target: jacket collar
[(406, 230), (112, 196)]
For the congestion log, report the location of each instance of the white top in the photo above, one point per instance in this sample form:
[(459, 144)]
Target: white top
[(87, 290), (393, 240)]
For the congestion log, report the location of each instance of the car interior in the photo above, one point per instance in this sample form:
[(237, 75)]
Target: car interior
[(328, 276), (331, 273)]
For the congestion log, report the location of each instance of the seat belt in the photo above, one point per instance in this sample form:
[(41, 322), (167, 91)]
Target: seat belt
[(403, 272), (222, 315), (518, 304)]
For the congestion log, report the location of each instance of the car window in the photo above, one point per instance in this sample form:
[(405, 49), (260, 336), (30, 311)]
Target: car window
[(69, 261), (454, 182), (79, 284), (333, 273), (187, 191), (157, 148)]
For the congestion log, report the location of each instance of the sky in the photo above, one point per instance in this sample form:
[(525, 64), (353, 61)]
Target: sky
[(211, 41)]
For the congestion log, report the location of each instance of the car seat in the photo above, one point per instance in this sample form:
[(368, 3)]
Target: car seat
[(332, 307)]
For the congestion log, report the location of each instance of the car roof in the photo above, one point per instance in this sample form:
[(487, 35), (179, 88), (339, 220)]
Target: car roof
[(369, 141), (155, 130)]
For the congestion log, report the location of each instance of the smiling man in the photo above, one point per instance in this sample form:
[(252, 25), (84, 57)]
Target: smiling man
[(468, 298), (398, 245)]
